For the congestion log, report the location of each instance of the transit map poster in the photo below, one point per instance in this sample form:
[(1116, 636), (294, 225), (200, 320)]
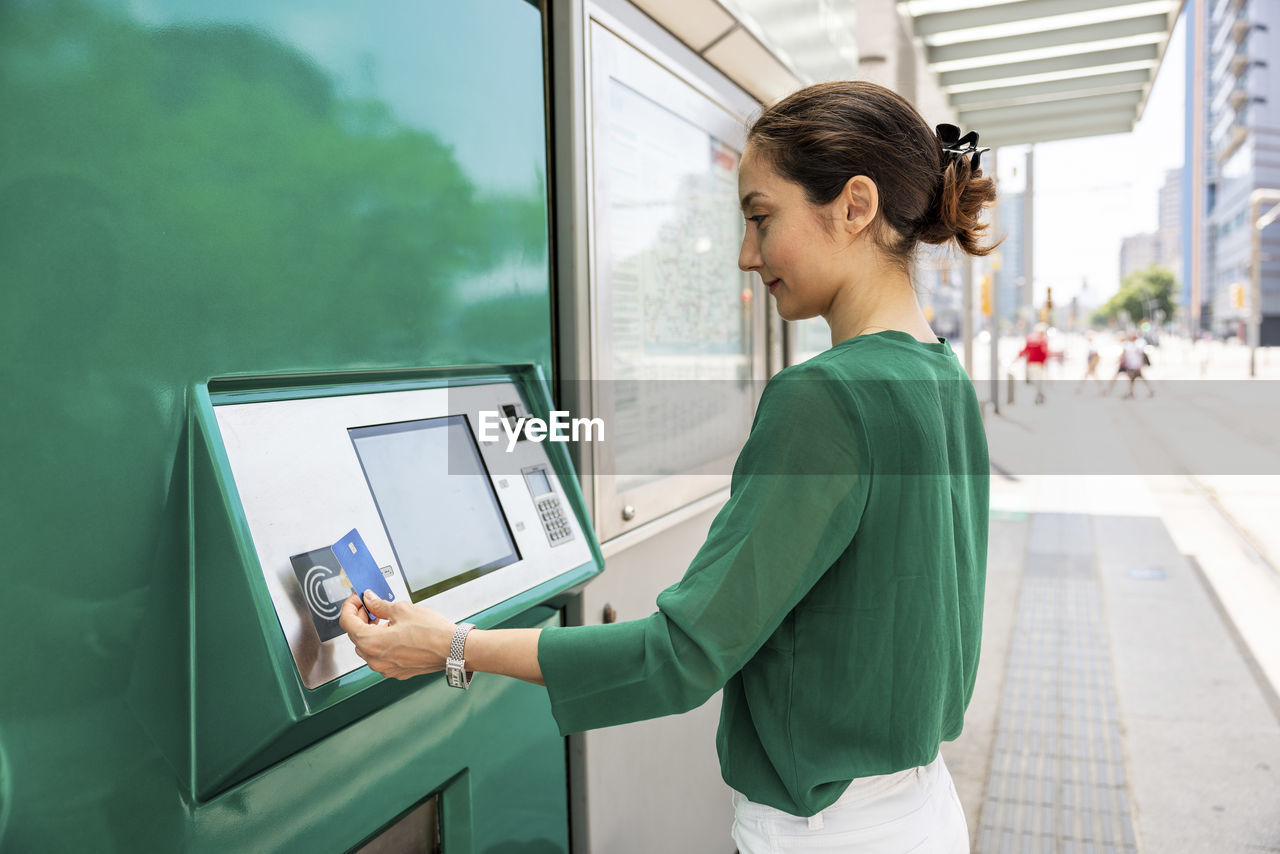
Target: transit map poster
[(681, 328), (676, 229)]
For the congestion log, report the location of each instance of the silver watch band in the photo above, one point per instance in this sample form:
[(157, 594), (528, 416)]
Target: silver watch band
[(455, 666)]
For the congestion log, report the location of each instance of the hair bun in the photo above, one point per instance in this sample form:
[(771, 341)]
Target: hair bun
[(957, 206)]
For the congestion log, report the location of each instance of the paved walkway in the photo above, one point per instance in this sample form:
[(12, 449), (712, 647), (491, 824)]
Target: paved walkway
[(1117, 708), (1057, 769)]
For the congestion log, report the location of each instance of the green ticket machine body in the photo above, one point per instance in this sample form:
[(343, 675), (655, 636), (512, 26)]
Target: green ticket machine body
[(267, 269)]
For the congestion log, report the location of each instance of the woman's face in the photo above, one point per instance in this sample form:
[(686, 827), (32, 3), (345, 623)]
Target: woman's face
[(792, 244)]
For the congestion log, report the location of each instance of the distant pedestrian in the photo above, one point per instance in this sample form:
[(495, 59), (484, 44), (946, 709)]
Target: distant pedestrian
[(1036, 352), (1204, 345), (1133, 358), (1091, 361)]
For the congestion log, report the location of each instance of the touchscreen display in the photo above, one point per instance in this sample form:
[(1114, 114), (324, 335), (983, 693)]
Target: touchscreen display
[(437, 502)]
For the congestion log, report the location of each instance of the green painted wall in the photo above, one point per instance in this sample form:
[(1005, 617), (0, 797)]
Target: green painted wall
[(196, 189)]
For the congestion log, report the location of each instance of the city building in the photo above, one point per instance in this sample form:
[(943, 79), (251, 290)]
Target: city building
[(1008, 278), (1138, 252), (1162, 247), (1242, 154), (1169, 227)]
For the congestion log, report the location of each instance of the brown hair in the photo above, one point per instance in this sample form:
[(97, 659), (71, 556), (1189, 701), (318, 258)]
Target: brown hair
[(823, 135)]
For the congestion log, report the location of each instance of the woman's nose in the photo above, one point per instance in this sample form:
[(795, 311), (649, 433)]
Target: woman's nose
[(749, 255)]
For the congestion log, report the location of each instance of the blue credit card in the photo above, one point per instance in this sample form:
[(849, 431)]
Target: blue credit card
[(360, 567)]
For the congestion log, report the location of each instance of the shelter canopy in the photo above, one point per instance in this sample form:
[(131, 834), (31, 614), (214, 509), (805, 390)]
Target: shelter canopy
[(1023, 71)]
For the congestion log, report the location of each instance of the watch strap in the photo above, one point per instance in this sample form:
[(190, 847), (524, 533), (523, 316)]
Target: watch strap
[(455, 665)]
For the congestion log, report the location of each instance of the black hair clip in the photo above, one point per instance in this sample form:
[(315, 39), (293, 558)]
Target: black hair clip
[(956, 146)]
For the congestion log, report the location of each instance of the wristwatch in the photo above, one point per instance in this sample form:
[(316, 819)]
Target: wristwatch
[(454, 667)]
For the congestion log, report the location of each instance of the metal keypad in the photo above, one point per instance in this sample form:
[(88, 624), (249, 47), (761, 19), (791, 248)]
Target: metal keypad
[(553, 520)]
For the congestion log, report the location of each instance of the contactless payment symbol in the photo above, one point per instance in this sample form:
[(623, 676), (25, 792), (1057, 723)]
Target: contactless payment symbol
[(325, 591), (329, 575), (320, 575)]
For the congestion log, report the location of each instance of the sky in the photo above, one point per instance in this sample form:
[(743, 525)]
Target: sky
[(1092, 192)]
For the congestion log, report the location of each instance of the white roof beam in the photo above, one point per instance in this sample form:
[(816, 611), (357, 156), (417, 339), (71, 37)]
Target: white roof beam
[(1004, 13), (1094, 84), (1075, 108), (1151, 25), (1059, 133), (1082, 60)]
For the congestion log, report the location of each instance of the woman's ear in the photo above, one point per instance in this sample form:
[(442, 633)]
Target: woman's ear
[(859, 202)]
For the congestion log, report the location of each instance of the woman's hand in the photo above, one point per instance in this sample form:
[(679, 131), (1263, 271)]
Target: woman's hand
[(413, 641)]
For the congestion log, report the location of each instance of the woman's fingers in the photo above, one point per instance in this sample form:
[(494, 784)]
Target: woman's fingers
[(398, 649), (352, 619)]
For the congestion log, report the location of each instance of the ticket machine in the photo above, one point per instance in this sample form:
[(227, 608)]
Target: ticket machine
[(255, 302), (431, 479)]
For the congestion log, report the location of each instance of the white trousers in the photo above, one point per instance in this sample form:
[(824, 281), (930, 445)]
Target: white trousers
[(916, 810)]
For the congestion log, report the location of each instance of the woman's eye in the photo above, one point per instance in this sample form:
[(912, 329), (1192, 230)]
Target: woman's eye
[(758, 219)]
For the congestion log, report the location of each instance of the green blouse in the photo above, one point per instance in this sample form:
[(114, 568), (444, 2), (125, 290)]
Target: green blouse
[(837, 600)]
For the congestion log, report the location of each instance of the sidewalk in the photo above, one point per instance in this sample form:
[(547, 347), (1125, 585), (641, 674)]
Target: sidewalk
[(1116, 709)]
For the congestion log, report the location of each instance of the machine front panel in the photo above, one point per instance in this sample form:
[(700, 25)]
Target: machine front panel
[(450, 521)]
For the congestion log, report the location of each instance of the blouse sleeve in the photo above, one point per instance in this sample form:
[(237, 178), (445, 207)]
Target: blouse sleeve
[(796, 497)]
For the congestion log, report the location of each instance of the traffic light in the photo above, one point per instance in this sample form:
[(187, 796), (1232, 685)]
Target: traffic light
[(984, 291), (1237, 295)]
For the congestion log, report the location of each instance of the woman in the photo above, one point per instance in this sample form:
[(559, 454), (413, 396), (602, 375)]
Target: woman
[(837, 600)]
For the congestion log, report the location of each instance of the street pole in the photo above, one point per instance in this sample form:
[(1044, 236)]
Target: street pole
[(995, 294), (1197, 24), (1258, 198), (1028, 297)]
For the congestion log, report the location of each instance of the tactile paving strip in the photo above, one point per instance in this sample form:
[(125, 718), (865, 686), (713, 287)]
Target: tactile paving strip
[(1057, 781)]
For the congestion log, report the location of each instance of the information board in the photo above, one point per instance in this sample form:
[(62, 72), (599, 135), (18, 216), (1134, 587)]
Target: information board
[(679, 324), (674, 240)]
